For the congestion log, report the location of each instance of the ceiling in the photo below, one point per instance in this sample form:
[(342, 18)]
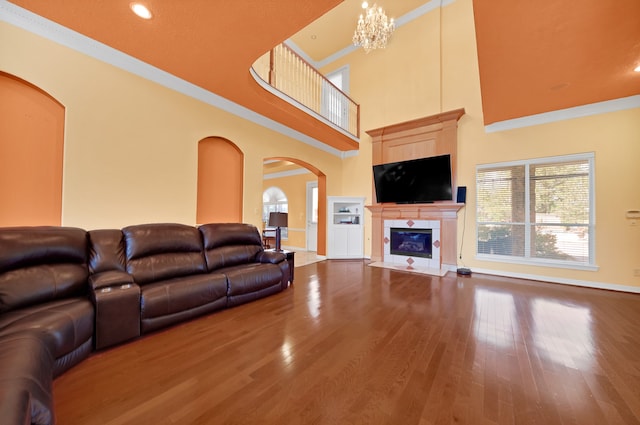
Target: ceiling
[(210, 43), (549, 55), (533, 57), (333, 31)]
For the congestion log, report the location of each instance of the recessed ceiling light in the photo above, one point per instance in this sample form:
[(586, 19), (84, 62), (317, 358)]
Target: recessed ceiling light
[(637, 68), (141, 10)]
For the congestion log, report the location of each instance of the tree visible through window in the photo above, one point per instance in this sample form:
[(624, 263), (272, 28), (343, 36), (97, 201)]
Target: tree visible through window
[(538, 210)]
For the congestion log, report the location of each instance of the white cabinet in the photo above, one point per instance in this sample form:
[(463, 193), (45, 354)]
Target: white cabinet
[(345, 236)]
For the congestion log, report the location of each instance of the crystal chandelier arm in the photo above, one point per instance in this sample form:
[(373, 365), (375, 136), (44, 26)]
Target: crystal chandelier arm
[(373, 29)]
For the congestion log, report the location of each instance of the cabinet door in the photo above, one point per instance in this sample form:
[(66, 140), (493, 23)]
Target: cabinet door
[(340, 241), (354, 244)]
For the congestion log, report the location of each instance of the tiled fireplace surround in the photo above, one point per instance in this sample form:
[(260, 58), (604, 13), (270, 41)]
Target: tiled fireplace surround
[(420, 138), (442, 218), (412, 261)]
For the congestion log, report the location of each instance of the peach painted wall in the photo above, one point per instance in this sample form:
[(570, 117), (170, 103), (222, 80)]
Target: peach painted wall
[(131, 146), (31, 146), (220, 170), (131, 155), (295, 187), (404, 82)]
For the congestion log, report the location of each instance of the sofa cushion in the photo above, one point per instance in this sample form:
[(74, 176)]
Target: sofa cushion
[(25, 379), (64, 325), (176, 295), (230, 244), (41, 264), (163, 251), (252, 281), (106, 250)]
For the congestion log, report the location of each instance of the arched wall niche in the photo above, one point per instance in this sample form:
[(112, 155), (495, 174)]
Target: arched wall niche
[(31, 154), (322, 199), (220, 181)]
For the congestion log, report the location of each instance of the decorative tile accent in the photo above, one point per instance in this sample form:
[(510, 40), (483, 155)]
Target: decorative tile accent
[(410, 261), (402, 260)]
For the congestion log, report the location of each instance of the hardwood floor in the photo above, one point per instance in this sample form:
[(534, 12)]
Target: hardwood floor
[(352, 344), (306, 257)]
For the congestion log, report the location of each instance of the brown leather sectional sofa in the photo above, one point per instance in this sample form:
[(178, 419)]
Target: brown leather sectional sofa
[(65, 292)]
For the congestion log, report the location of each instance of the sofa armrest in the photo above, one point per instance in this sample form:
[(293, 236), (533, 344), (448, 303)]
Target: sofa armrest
[(272, 257), (109, 279), (116, 298)]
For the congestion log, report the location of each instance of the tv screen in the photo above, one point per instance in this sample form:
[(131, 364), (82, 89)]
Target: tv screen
[(415, 181)]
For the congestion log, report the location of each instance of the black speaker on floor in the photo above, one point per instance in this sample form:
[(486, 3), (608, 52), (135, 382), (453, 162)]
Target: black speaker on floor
[(461, 198)]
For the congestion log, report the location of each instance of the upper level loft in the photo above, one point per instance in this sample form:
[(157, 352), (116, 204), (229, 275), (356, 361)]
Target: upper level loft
[(284, 73), (209, 58)]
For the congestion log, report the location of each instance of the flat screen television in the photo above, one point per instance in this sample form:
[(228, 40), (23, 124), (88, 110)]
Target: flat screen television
[(415, 181)]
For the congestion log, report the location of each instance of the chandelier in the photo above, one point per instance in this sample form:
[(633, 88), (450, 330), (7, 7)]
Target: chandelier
[(374, 28)]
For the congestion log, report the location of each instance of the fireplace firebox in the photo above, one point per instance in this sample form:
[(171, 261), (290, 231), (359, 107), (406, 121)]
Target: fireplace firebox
[(411, 242)]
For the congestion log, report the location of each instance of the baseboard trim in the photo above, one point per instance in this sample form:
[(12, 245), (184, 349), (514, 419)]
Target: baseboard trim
[(559, 280)]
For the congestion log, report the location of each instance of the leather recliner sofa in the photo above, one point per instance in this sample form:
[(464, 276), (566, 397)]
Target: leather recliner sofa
[(65, 291)]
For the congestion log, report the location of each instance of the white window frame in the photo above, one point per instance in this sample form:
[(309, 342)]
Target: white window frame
[(527, 258), (336, 108)]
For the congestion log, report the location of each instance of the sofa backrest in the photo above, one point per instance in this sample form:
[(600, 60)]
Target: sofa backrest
[(162, 251), (230, 244), (41, 264), (106, 250)]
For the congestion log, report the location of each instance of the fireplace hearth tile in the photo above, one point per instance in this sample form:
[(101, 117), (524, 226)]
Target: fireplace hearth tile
[(410, 269)]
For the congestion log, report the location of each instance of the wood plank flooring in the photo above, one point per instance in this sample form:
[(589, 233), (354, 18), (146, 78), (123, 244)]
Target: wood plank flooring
[(352, 344)]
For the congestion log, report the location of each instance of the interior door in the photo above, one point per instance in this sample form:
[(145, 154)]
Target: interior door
[(312, 216)]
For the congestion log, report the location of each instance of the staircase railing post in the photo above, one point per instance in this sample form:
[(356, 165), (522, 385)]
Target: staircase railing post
[(272, 71)]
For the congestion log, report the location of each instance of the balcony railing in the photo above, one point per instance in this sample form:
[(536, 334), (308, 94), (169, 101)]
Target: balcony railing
[(287, 72)]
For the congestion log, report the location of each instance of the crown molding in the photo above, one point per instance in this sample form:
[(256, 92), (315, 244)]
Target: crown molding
[(57, 33), (621, 104)]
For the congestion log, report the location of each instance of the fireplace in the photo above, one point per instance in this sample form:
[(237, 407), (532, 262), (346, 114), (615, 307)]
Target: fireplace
[(423, 137), (411, 242)]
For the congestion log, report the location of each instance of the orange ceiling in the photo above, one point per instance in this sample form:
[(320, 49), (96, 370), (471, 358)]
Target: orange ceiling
[(534, 57), (210, 43), (546, 55)]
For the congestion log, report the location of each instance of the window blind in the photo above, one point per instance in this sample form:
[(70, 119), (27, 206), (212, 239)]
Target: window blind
[(536, 210)]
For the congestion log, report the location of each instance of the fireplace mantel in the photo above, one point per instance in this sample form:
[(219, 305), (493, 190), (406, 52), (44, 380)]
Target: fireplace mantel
[(419, 138), (416, 211)]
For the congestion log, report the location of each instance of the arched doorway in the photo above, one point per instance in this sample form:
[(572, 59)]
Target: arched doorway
[(321, 200)]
